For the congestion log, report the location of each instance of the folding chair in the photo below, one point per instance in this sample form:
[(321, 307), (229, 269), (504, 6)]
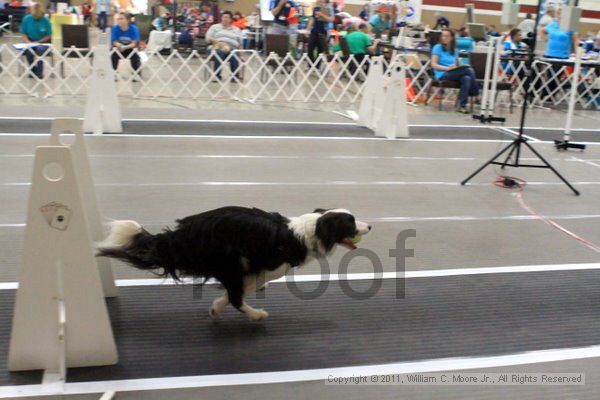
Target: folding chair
[(75, 44), (280, 45)]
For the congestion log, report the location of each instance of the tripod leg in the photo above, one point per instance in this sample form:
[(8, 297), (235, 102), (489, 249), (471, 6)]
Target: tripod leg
[(508, 157), (552, 168), (489, 162)]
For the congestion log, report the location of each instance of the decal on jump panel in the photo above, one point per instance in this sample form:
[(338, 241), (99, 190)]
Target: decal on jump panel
[(57, 215)]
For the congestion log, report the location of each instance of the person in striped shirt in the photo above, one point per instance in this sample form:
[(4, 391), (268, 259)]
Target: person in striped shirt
[(224, 38)]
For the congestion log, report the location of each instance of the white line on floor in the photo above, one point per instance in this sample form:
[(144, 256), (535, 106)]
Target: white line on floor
[(330, 183), (279, 137), (433, 365), (581, 160), (516, 134), (432, 273), (213, 121)]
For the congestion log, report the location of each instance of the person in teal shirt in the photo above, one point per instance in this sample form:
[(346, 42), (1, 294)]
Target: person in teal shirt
[(36, 31), (444, 61), (380, 23), (464, 42), (560, 43)]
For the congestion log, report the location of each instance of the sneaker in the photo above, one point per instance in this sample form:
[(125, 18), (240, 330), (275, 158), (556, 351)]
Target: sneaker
[(463, 110)]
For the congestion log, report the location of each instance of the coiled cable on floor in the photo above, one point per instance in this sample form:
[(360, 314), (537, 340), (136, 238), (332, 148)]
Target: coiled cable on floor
[(511, 182)]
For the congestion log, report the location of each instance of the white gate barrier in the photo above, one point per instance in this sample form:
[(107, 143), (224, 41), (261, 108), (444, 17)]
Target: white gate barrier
[(60, 318), (191, 76)]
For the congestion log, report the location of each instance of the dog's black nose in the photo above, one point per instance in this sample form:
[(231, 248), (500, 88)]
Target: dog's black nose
[(370, 227)]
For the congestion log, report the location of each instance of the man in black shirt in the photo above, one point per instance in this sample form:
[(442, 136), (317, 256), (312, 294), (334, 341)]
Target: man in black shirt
[(318, 27), (281, 10)]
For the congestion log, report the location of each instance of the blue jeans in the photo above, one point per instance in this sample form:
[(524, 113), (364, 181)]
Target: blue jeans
[(30, 53), (218, 60), (468, 83), (102, 19)]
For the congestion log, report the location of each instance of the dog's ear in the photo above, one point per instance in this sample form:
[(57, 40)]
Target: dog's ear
[(320, 211)]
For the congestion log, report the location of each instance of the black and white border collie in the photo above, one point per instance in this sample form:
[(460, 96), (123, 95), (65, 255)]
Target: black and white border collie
[(242, 248)]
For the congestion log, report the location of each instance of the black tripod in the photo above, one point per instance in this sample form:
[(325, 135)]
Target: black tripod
[(514, 148)]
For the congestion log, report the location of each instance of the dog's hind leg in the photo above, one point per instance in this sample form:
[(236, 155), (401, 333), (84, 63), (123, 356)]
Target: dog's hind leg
[(218, 305)]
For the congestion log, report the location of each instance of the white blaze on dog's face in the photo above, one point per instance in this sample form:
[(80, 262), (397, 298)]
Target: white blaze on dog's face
[(338, 226)]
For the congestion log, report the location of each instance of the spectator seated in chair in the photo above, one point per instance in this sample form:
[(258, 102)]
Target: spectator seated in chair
[(37, 32), (224, 38), (239, 21), (359, 43), (380, 24), (513, 44), (464, 42), (125, 37), (444, 60)]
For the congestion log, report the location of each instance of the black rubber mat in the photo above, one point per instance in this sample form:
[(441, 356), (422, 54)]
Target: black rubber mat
[(164, 331), (243, 129)]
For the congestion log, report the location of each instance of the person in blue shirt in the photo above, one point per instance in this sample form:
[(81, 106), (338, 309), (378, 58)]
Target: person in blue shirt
[(37, 32), (364, 13), (515, 41), (380, 23), (125, 37), (513, 44), (560, 43), (444, 61), (318, 26)]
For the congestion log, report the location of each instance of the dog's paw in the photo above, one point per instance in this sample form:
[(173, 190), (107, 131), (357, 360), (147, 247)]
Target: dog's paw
[(257, 315)]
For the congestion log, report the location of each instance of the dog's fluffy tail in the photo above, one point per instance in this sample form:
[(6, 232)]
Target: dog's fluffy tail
[(131, 243)]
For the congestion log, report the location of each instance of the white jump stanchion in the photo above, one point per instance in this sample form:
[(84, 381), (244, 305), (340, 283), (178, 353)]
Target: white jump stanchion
[(566, 143), (394, 118), (496, 67), (88, 192), (573, 94), (102, 112), (371, 104), (486, 80), (59, 302), (490, 83)]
